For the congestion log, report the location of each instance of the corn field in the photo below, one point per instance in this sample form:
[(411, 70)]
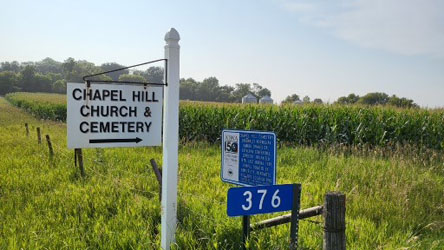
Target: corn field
[(294, 125)]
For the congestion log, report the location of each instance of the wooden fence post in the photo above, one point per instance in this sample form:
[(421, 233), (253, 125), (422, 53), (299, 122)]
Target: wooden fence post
[(51, 151), (334, 228), (79, 157), (27, 129), (39, 137), (158, 174)]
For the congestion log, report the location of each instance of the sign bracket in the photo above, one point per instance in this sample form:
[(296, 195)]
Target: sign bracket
[(88, 81)]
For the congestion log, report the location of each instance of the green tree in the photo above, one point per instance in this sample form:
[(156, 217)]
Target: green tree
[(152, 74), (155, 74), (42, 83), (55, 76), (241, 90), (68, 67), (318, 101), (350, 99), (59, 86), (208, 89), (260, 91), (263, 92), (225, 94), (13, 66), (83, 68), (131, 78), (375, 98), (8, 82), (74, 71), (402, 102), (27, 79), (291, 98), (48, 65), (112, 66), (188, 89), (306, 99)]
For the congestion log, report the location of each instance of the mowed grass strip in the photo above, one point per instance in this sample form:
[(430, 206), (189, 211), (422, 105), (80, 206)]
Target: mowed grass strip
[(392, 202)]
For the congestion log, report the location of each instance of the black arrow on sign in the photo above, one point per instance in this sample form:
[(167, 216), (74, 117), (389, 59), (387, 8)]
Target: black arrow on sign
[(136, 140)]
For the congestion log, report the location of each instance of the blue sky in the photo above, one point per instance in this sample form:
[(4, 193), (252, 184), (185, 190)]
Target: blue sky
[(320, 48)]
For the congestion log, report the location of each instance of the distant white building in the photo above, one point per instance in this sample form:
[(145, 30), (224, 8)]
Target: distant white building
[(250, 98), (298, 102), (266, 100)]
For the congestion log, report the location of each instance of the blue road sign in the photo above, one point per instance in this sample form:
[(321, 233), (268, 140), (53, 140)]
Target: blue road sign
[(248, 157), (262, 199)]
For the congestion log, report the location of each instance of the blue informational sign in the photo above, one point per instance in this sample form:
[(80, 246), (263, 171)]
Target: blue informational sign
[(262, 199), (248, 157)]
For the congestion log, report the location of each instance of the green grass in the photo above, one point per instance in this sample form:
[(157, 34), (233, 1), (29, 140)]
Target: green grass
[(393, 202)]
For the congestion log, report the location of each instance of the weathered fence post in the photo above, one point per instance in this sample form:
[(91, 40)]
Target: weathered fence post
[(158, 174), (51, 151), (39, 137), (27, 129), (79, 156), (334, 228)]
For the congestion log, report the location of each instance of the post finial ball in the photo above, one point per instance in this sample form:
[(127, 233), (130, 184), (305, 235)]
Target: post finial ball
[(172, 35)]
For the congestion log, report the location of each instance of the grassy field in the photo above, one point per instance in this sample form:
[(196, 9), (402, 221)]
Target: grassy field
[(393, 202)]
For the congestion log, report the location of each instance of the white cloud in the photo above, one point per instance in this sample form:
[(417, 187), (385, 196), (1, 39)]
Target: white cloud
[(408, 27)]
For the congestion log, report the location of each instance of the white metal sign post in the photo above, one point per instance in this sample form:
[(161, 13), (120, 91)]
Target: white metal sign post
[(102, 115), (113, 115), (170, 140)]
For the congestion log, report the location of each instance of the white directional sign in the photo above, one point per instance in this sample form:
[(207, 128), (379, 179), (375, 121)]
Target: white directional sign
[(113, 115)]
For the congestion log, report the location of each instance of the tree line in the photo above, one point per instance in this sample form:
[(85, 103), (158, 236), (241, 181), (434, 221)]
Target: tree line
[(210, 90), (49, 75), (375, 98)]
